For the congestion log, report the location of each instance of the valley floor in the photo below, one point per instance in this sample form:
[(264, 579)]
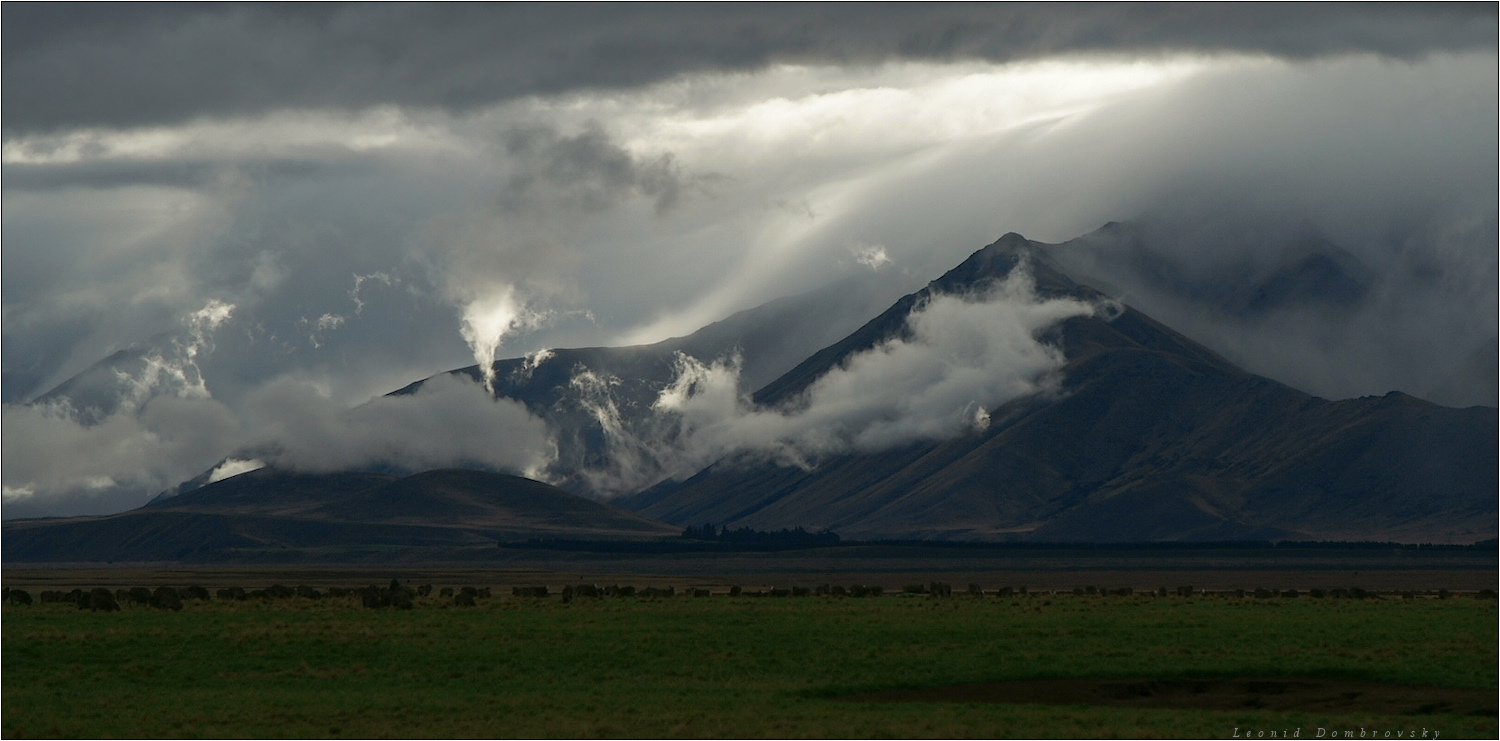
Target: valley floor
[(1049, 663)]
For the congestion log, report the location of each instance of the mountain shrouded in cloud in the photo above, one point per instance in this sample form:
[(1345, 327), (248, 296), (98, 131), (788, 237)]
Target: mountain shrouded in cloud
[(627, 418), (384, 193), (1003, 401), (956, 357), (1145, 436)]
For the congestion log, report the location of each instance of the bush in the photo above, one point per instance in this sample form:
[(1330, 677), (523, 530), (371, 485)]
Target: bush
[(165, 598), (99, 600)]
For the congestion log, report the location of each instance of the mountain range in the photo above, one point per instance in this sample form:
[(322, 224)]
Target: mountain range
[(1154, 437), (1144, 435), (598, 400)]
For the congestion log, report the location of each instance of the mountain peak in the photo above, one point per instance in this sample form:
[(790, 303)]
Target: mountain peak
[(995, 261), (984, 268), (1010, 240)]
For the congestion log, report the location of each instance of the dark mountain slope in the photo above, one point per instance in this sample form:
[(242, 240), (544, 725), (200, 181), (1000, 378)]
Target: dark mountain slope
[(272, 512), (271, 493), (480, 499), (983, 267), (1153, 437)]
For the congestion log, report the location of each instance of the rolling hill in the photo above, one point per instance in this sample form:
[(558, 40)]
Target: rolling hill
[(271, 515)]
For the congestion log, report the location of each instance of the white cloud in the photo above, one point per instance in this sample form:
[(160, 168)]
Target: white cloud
[(450, 422), (872, 256), (279, 134), (232, 467), (965, 355), (489, 317), (169, 440)]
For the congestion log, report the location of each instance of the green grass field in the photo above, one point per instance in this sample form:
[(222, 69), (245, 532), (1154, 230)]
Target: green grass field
[(715, 667)]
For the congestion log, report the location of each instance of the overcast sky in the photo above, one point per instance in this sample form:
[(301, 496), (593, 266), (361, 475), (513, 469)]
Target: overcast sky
[(295, 208)]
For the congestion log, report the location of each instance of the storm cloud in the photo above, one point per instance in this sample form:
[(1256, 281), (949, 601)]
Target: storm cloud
[(143, 65), (384, 193)]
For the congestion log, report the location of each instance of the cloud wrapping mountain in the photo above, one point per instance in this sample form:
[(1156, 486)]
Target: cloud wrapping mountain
[(960, 356), (167, 429), (1152, 437), (448, 423), (56, 465)]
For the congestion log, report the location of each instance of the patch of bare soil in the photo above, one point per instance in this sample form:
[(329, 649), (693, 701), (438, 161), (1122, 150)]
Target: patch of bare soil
[(1332, 696)]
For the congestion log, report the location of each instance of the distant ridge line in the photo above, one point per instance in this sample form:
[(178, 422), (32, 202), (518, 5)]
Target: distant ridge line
[(689, 545)]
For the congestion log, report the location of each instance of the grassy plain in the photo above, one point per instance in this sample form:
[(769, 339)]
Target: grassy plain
[(712, 667)]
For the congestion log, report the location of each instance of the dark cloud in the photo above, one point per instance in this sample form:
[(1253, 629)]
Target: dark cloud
[(70, 65), (168, 174), (588, 170)]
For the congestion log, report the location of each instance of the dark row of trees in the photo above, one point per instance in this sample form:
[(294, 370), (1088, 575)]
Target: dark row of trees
[(170, 598), (100, 599), (779, 539), (711, 538)]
